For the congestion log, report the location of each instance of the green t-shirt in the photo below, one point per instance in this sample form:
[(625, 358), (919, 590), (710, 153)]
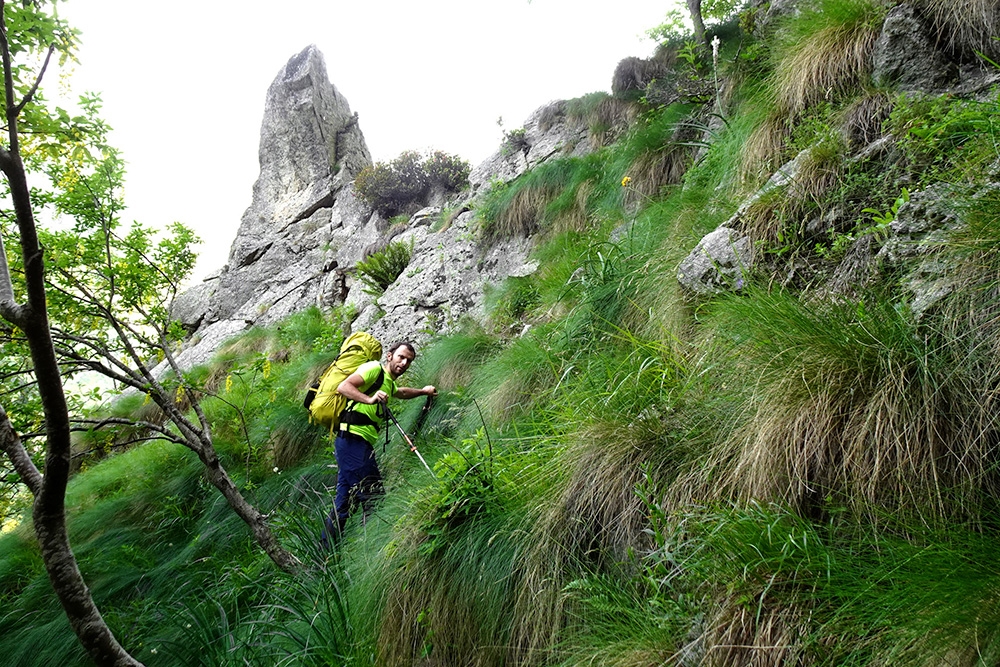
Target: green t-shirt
[(369, 373)]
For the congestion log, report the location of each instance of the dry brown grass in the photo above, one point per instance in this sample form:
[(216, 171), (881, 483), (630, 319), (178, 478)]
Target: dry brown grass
[(744, 634), (605, 463), (763, 151), (967, 27), (887, 439), (575, 218), (291, 443), (523, 215), (781, 213), (597, 517), (654, 170), (216, 377), (832, 60), (609, 120), (861, 121), (539, 609), (632, 75), (766, 219), (819, 170), (424, 614), (551, 114)]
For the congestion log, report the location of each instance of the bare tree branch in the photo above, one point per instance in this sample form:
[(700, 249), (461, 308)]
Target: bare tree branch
[(12, 445)]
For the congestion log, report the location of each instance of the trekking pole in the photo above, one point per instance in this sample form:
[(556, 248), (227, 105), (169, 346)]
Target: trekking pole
[(413, 448)]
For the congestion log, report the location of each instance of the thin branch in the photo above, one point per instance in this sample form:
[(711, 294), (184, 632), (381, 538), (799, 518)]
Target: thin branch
[(38, 80), (94, 345), (9, 159), (97, 424), (206, 432), (119, 445), (13, 446)]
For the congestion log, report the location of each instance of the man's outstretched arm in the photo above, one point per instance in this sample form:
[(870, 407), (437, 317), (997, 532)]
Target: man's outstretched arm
[(411, 392)]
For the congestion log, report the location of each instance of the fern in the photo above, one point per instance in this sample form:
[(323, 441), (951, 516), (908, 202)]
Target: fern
[(380, 270)]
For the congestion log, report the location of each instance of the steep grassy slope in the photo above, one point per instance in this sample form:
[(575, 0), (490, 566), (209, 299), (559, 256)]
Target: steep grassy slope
[(800, 471)]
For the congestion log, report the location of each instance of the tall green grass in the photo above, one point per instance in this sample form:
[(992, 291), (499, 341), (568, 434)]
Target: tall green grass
[(853, 401), (775, 588), (623, 475), (578, 194)]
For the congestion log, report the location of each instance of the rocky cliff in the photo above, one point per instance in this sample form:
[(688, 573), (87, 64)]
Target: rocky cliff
[(305, 229)]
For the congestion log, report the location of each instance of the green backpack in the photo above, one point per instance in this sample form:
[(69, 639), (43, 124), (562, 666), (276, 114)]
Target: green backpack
[(323, 400)]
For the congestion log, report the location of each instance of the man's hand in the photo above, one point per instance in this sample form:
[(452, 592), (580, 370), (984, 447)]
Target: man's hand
[(378, 397), (429, 390)]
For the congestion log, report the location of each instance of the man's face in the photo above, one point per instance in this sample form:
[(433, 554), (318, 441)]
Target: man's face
[(400, 360)]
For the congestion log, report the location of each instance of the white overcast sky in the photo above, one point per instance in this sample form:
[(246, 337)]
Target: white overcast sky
[(184, 82)]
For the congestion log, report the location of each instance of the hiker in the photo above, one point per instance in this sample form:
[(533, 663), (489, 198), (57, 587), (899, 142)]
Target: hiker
[(358, 478)]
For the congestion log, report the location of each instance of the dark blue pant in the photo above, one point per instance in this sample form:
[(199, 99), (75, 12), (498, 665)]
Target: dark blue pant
[(359, 482)]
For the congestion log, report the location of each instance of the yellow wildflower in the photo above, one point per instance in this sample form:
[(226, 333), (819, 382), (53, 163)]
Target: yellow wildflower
[(229, 383), (626, 181)]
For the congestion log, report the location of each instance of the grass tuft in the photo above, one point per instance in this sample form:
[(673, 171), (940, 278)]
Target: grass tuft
[(849, 401), (969, 27), (826, 51)]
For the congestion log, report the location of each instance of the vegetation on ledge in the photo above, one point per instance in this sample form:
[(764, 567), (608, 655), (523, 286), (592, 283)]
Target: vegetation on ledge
[(799, 470)]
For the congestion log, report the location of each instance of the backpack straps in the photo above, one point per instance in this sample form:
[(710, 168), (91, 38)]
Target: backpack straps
[(351, 417)]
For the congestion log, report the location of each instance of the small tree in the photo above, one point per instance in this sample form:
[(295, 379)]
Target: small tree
[(42, 35), (699, 11), (109, 292), (86, 295)]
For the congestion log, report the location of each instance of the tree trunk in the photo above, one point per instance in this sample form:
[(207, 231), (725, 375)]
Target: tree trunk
[(221, 480), (60, 563), (68, 583), (49, 510), (694, 8)]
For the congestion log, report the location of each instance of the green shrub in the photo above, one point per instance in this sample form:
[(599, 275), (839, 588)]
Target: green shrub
[(944, 138), (381, 269), (396, 187), (449, 171)]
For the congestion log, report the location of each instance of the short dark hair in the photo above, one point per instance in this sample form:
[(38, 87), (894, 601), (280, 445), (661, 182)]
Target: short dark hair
[(403, 343)]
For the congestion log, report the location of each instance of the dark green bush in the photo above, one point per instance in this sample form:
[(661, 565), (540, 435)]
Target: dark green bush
[(449, 171), (376, 184), (401, 185)]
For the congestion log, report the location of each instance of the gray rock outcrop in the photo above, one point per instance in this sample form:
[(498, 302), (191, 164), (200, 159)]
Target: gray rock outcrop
[(303, 221), (719, 261), (305, 229), (906, 54)]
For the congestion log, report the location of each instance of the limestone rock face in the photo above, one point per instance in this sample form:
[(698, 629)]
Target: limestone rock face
[(922, 227), (906, 55), (719, 261), (303, 220), (310, 147), (305, 230), (446, 280)]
